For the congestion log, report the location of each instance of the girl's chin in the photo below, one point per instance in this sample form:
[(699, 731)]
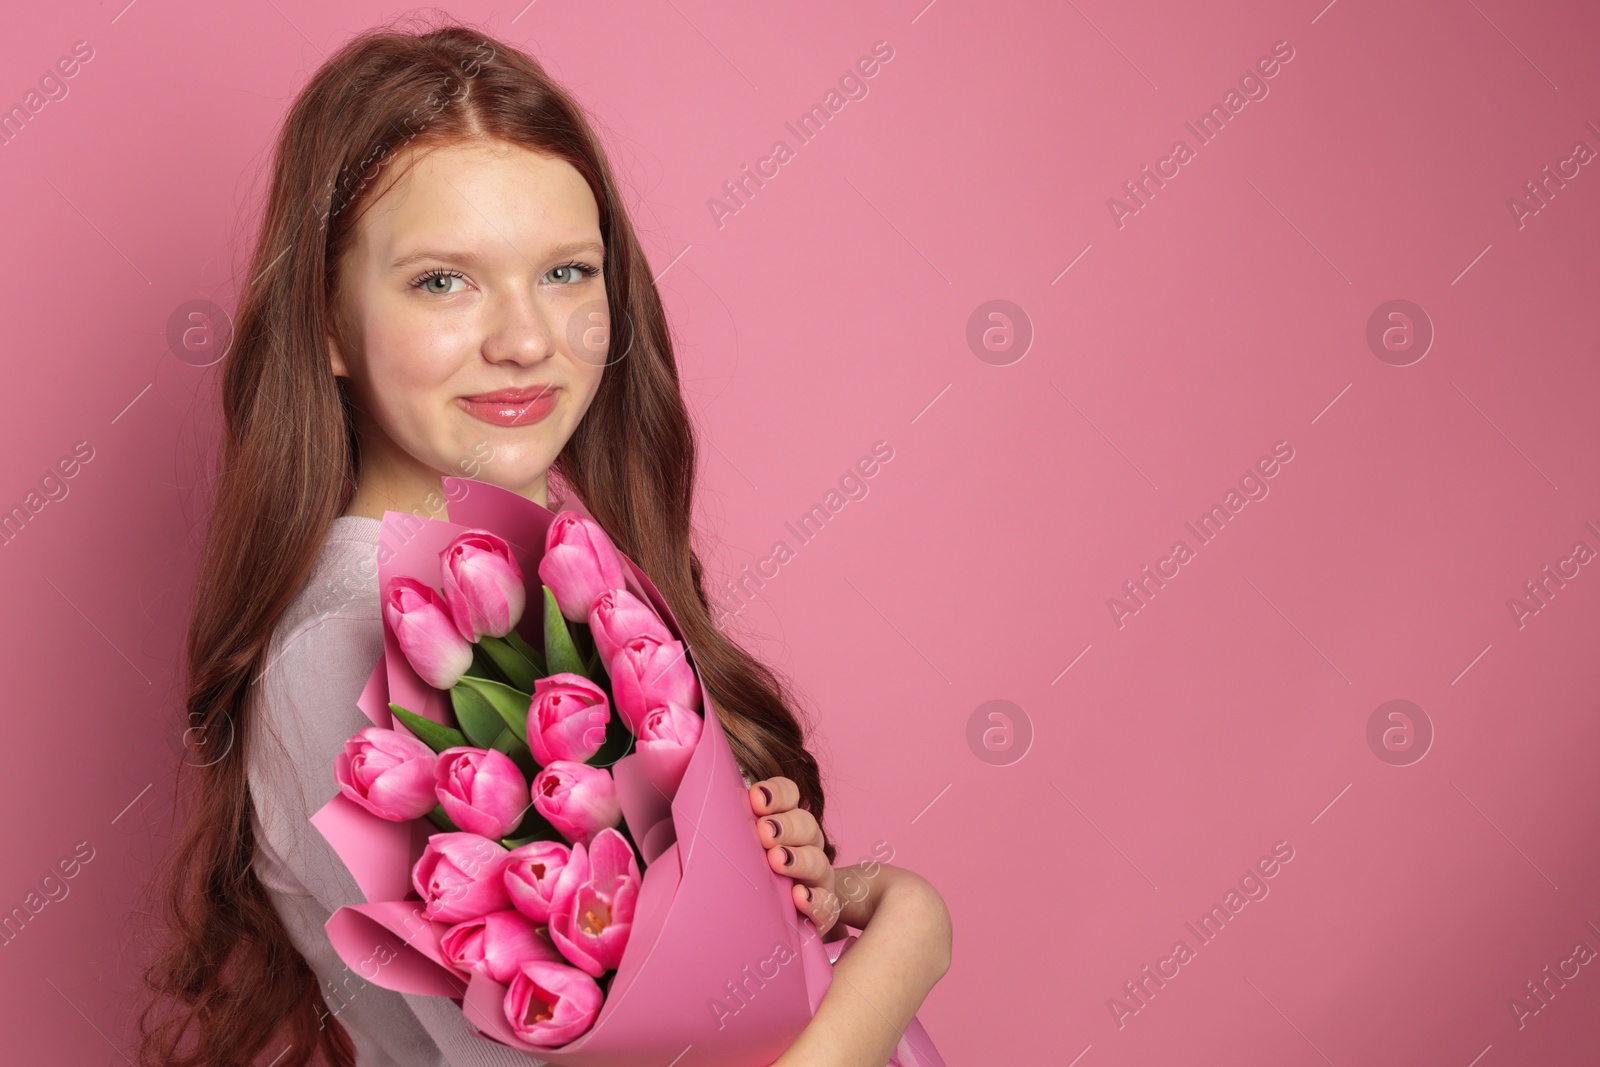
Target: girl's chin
[(523, 477)]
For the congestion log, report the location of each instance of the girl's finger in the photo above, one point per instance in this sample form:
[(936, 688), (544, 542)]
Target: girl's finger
[(774, 795), (794, 827), (804, 863), (817, 904)]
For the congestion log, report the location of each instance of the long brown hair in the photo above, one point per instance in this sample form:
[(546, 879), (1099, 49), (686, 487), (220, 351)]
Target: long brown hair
[(229, 982)]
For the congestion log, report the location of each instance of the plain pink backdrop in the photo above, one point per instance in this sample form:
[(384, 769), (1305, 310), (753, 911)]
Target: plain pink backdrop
[(831, 312)]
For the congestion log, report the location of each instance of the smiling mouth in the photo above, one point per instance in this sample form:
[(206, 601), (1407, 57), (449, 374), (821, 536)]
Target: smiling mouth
[(512, 407)]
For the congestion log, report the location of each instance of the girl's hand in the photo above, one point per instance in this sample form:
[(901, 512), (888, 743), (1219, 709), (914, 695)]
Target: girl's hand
[(794, 843), (877, 986)]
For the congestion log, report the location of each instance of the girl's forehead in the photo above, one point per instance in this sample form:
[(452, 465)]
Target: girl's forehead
[(474, 199)]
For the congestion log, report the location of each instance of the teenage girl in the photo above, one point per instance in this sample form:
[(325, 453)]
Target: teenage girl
[(446, 282)]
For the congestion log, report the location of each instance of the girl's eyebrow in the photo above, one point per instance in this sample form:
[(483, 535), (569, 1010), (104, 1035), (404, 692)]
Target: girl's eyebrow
[(471, 259)]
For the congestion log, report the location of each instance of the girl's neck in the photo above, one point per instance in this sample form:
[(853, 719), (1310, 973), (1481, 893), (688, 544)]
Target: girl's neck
[(374, 496)]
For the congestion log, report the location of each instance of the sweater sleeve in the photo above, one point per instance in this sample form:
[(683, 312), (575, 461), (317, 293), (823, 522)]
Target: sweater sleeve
[(306, 710)]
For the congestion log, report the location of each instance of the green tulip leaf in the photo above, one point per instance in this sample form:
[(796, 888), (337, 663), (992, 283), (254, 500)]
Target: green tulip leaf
[(482, 665), (511, 664), (494, 705), (583, 641), (475, 715), (559, 651), (531, 654), (520, 754), (430, 733), (533, 827)]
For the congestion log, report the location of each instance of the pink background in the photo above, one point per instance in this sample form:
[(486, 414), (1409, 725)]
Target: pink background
[(831, 312)]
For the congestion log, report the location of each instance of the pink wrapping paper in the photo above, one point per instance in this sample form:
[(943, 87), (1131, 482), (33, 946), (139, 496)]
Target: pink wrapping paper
[(720, 970)]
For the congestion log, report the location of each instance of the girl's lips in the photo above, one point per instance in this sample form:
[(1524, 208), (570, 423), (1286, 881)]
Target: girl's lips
[(511, 412)]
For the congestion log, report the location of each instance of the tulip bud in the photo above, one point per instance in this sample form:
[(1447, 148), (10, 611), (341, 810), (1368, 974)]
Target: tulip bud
[(460, 876), (388, 773), (483, 585), (579, 564), (577, 799), (567, 718), (481, 790), (550, 1003), (647, 673), (532, 877), (618, 616), (667, 739), (427, 633), (496, 945)]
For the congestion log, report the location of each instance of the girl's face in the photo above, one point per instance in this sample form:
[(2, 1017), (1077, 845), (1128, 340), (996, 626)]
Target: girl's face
[(475, 308)]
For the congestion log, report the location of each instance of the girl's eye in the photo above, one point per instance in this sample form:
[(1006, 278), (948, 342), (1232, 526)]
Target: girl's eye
[(426, 282), (566, 274), (572, 273)]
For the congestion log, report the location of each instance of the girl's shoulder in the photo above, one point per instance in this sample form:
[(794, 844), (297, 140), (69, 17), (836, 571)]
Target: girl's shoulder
[(320, 656), (332, 632), (343, 582)]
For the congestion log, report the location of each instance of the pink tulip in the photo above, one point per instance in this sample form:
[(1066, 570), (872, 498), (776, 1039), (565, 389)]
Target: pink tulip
[(388, 773), (550, 1003), (496, 945), (647, 673), (592, 930), (460, 876), (618, 615), (567, 719), (667, 738), (481, 790), (579, 564), (482, 584), (573, 874), (533, 876), (422, 623), (579, 800)]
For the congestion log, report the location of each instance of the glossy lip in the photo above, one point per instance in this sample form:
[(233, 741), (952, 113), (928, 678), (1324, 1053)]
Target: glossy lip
[(511, 396), (512, 407)]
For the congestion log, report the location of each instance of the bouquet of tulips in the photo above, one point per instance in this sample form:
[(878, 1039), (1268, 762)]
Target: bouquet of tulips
[(545, 816), (558, 918)]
